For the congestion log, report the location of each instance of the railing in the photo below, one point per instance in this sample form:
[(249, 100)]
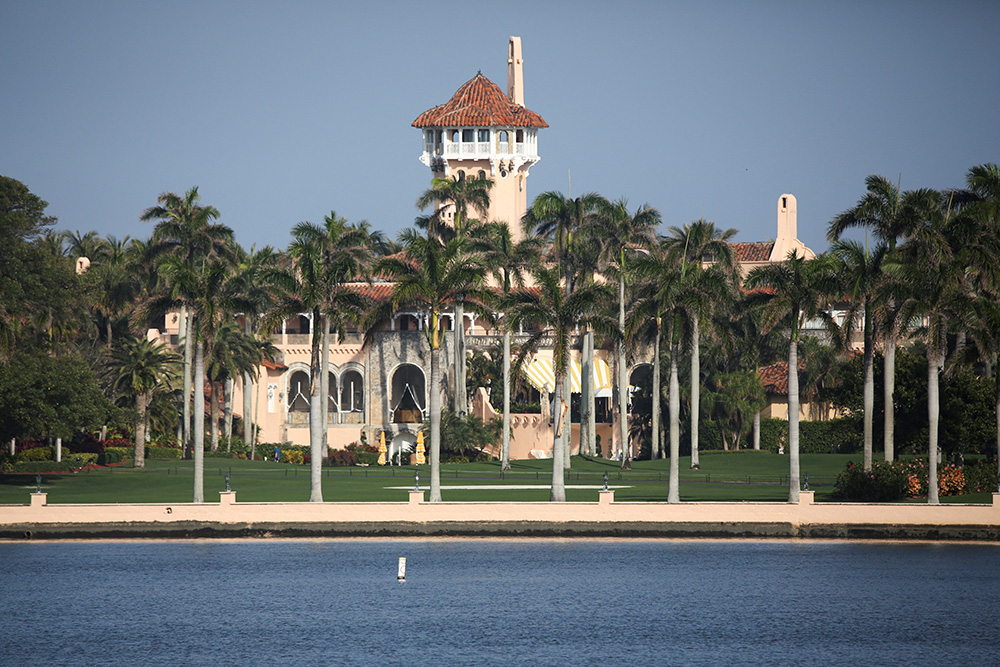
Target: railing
[(483, 341), (481, 149)]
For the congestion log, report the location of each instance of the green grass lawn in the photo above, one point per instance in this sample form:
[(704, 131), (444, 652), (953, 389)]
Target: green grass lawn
[(724, 476)]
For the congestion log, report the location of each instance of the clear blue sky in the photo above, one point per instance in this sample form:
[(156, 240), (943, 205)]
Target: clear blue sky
[(282, 112)]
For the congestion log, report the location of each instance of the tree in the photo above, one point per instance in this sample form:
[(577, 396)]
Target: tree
[(325, 258), (890, 215), (185, 230), (789, 293), (553, 314), (620, 234), (701, 243), (507, 264), (861, 274), (431, 275), (140, 368), (458, 196)]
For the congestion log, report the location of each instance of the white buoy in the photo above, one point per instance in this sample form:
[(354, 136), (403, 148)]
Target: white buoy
[(401, 573)]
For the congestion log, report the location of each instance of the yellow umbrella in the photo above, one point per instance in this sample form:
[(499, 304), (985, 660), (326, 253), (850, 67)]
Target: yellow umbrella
[(421, 460), (381, 449)]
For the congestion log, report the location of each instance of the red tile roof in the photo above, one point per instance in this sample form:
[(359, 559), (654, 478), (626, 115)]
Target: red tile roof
[(479, 103), (273, 365), (775, 377), (755, 251)]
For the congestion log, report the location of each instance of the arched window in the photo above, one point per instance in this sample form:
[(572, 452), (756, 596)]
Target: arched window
[(481, 175), (298, 392), (352, 396), (407, 322), (461, 174), (407, 395)]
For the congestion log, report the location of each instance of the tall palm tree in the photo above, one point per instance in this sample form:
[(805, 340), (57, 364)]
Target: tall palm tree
[(789, 293), (458, 198), (622, 233), (185, 229), (325, 259), (139, 368), (861, 273), (552, 313), (890, 214), (507, 262), (700, 243), (431, 276)]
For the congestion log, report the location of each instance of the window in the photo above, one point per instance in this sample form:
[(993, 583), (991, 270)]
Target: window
[(461, 175), (298, 392), (484, 135), (468, 136), (481, 175), (352, 392)]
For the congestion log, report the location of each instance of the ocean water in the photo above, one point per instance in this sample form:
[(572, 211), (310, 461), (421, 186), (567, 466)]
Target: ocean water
[(498, 602)]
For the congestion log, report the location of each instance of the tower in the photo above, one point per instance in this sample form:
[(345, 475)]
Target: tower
[(481, 132)]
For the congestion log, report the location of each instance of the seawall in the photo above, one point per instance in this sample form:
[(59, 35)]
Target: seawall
[(605, 518)]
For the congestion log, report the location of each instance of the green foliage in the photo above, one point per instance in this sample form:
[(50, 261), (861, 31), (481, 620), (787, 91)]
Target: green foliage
[(833, 436), (465, 436), (162, 452), (981, 477), (112, 455), (45, 453), (886, 482), (774, 434), (341, 457)]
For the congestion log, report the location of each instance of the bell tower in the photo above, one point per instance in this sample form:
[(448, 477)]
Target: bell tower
[(482, 132)]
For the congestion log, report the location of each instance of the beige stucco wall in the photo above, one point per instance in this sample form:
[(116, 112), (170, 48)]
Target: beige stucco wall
[(228, 512)]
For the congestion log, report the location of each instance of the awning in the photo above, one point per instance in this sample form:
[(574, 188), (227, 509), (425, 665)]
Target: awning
[(542, 377)]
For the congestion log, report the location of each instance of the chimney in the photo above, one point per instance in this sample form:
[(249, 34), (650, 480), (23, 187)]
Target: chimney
[(515, 80)]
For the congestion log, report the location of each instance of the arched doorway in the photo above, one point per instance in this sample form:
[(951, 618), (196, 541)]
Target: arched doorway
[(403, 444), (297, 397), (407, 395)]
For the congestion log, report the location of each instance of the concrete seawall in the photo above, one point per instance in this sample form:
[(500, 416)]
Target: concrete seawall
[(605, 518)]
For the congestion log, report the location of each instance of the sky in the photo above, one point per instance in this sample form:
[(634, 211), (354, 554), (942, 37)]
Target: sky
[(283, 112)]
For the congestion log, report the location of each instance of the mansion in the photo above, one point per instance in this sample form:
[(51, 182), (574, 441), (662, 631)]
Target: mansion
[(384, 387)]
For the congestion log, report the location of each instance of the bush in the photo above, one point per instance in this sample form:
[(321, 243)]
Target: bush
[(981, 477), (367, 458), (112, 455), (886, 482), (162, 452), (37, 453), (834, 436), (342, 457)]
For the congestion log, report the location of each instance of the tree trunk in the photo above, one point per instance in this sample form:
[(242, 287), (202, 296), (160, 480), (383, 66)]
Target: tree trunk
[(505, 453), (888, 389), (189, 337), (247, 388), (869, 390), (227, 412), (567, 383), (458, 324), (756, 430), (934, 359), (996, 400), (315, 418), (139, 459), (674, 493), (435, 410), (622, 379), (695, 391), (657, 444), (587, 394), (199, 422), (325, 385), (558, 492), (793, 419), (213, 412)]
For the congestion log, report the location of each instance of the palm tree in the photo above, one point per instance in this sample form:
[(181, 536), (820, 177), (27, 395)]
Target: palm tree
[(789, 293), (431, 276), (890, 215), (701, 243), (325, 258), (861, 273), (554, 314), (661, 300), (620, 233), (507, 262), (458, 196), (139, 368), (185, 229)]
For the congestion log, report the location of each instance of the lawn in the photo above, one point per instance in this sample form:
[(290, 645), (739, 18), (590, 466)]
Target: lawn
[(724, 476)]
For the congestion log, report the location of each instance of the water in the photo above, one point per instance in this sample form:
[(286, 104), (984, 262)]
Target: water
[(500, 602)]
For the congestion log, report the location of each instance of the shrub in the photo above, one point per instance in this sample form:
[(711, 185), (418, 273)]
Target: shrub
[(293, 456), (37, 453), (981, 477), (112, 455), (367, 458), (885, 482), (162, 452), (343, 457)]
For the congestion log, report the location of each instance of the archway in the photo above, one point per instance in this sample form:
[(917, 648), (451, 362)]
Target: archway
[(407, 395)]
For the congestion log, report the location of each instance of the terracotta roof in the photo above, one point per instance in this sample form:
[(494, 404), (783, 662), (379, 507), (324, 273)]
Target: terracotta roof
[(376, 291), (775, 377), (479, 103), (273, 365), (755, 251)]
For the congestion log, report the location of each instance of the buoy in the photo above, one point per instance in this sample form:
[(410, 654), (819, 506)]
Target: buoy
[(401, 573)]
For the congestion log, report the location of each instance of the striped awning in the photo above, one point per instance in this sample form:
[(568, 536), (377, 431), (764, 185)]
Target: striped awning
[(542, 377)]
